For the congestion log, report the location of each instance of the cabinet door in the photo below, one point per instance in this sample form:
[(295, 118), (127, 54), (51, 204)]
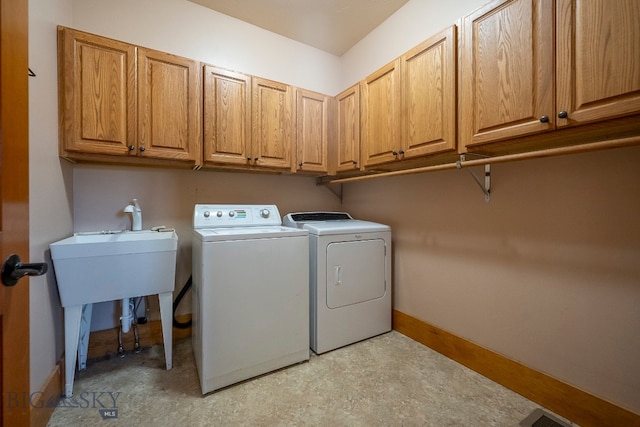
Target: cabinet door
[(507, 71), (381, 130), (169, 112), (227, 116), (428, 95), (97, 94), (272, 122), (598, 73), (347, 152), (312, 130)]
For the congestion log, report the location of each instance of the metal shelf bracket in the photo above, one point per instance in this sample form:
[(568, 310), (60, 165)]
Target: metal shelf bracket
[(486, 187), (336, 189)]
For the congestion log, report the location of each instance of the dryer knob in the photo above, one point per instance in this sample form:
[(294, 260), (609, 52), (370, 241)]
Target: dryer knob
[(264, 213), (206, 214), (232, 214), (219, 214)]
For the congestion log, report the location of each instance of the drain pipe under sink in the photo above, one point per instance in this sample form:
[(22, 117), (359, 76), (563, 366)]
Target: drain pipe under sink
[(127, 316)]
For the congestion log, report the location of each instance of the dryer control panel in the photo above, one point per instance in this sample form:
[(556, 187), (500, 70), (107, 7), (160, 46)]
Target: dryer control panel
[(225, 216)]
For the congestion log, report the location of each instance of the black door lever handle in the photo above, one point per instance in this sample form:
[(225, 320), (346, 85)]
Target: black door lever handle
[(13, 270)]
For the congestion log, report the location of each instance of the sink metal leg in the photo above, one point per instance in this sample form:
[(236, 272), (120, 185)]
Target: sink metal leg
[(85, 330), (120, 347), (166, 315), (72, 317), (136, 345)]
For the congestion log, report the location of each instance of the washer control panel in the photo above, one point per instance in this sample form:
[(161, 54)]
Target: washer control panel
[(215, 216)]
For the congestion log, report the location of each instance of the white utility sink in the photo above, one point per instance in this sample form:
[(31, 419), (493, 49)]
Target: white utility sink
[(97, 267)]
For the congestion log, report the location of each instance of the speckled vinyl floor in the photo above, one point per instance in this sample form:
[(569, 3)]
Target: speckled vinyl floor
[(389, 380)]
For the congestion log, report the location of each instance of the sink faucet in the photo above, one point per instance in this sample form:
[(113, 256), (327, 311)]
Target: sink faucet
[(136, 213)]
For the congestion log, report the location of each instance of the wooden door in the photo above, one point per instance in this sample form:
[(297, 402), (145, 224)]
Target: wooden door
[(428, 95), (507, 75), (312, 131), (272, 121), (598, 45), (97, 94), (347, 150), (14, 213), (169, 111), (381, 129), (227, 117)]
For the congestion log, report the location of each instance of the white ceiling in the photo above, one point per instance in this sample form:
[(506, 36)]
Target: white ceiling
[(330, 25)]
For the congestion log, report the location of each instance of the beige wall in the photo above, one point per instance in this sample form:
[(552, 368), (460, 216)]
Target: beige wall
[(50, 182), (547, 273), (416, 21), (188, 29)]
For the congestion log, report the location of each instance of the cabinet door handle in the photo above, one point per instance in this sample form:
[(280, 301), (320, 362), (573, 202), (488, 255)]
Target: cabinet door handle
[(401, 152), (142, 148), (248, 158), (300, 165), (255, 159), (544, 119), (131, 147), (563, 115), (354, 162), (395, 153)]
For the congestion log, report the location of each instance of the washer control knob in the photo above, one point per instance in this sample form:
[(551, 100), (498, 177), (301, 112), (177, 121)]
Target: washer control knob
[(207, 214), (232, 214), (219, 214), (264, 213)]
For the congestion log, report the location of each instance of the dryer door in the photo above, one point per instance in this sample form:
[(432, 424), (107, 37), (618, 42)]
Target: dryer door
[(355, 272)]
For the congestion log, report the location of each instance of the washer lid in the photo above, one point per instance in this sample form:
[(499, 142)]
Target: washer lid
[(245, 233)]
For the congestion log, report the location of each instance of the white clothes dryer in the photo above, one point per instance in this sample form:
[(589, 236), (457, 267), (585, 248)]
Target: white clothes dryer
[(350, 278), (250, 293)]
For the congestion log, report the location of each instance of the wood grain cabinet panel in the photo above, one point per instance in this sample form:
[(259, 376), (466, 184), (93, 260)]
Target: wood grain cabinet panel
[(312, 130), (121, 101), (97, 94), (429, 96), (380, 115), (169, 113), (227, 117), (598, 62), (347, 144), (272, 123), (528, 68), (507, 82)]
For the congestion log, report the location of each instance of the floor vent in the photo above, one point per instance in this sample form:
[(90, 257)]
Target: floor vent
[(540, 418)]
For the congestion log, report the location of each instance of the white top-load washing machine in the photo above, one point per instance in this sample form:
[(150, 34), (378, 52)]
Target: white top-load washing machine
[(250, 293), (350, 278)]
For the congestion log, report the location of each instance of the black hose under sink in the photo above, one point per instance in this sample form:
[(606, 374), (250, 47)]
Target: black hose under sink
[(176, 302)]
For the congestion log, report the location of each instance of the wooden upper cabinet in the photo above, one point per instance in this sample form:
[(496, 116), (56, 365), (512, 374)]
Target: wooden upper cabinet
[(598, 68), (97, 94), (227, 117), (429, 96), (272, 123), (346, 149), (381, 118), (120, 100), (312, 130), (507, 71), (169, 112)]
